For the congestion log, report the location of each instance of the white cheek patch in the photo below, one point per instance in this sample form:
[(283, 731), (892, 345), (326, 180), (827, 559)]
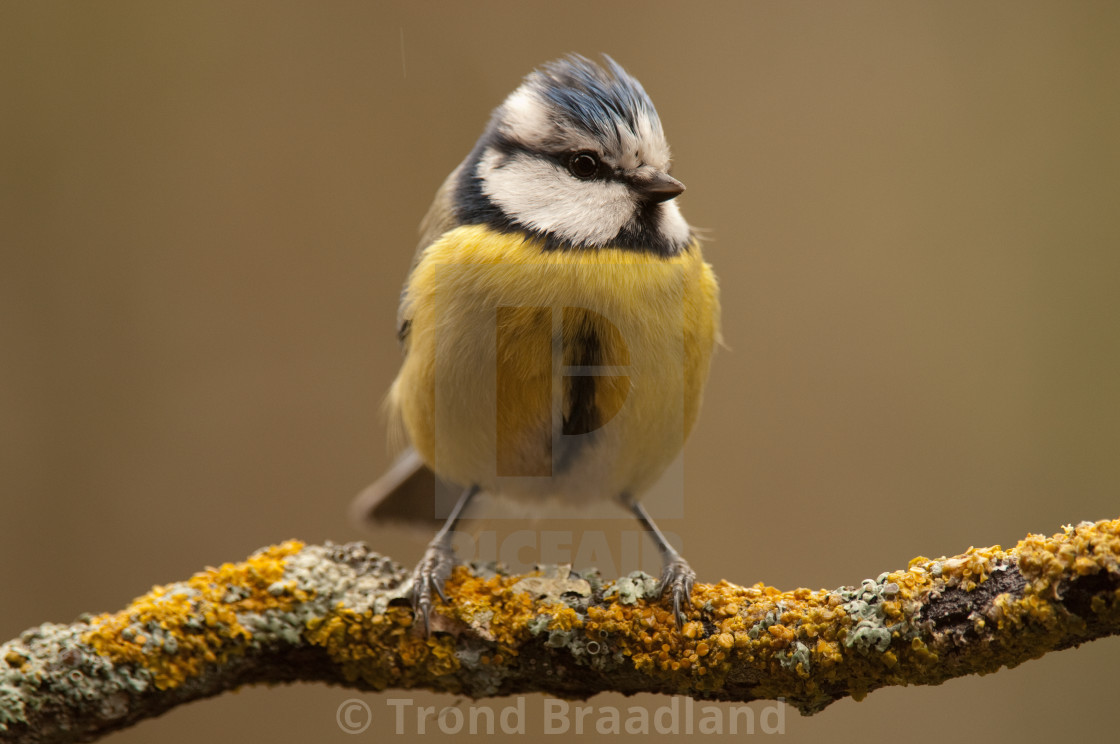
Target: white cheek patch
[(542, 196), (672, 224)]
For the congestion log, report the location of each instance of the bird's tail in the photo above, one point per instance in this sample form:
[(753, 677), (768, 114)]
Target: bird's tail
[(408, 493)]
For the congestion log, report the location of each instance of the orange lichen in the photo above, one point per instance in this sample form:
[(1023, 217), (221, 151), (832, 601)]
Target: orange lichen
[(161, 631), (1084, 550), (490, 607), (756, 625), (383, 650), (1047, 563), (972, 568)]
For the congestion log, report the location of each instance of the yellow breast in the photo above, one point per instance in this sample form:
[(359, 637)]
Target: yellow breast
[(569, 372)]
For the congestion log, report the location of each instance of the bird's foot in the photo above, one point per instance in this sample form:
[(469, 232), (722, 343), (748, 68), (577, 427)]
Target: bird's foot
[(429, 576), (676, 582)]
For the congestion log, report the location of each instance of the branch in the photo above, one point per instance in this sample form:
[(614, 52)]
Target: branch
[(338, 614)]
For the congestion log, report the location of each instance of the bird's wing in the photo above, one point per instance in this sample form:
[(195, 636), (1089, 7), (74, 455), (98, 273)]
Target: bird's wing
[(439, 219), (409, 493)]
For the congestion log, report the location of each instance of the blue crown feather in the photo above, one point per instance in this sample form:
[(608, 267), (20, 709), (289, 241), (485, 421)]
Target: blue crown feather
[(591, 97)]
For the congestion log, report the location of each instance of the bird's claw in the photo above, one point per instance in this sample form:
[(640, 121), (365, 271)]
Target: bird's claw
[(430, 575), (676, 581)]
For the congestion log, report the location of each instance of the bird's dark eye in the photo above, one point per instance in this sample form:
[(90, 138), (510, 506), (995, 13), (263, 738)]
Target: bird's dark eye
[(584, 165)]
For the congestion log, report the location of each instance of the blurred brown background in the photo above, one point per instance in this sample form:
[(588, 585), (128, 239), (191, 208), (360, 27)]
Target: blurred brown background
[(207, 210)]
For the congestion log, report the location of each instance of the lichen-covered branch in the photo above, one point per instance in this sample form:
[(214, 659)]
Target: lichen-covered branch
[(338, 614)]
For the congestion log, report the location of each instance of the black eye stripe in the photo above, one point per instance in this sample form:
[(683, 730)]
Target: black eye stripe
[(473, 206), (510, 148)]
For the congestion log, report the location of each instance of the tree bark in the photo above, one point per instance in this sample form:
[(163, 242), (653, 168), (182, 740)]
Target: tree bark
[(339, 614)]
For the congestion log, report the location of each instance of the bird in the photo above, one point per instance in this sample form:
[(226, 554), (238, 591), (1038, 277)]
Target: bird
[(558, 321)]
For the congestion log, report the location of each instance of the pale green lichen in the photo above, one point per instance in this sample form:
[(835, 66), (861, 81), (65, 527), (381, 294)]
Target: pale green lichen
[(878, 615), (634, 587), (52, 663)]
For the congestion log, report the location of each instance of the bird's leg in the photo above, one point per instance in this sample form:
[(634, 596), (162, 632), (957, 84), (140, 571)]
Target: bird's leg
[(433, 569), (676, 575)]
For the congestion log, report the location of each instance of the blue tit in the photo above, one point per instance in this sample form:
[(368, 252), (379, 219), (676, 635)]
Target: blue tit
[(558, 321)]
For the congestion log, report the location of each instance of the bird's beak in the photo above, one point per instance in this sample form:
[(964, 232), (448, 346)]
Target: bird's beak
[(655, 186)]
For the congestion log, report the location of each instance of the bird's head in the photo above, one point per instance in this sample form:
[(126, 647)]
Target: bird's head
[(576, 155)]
